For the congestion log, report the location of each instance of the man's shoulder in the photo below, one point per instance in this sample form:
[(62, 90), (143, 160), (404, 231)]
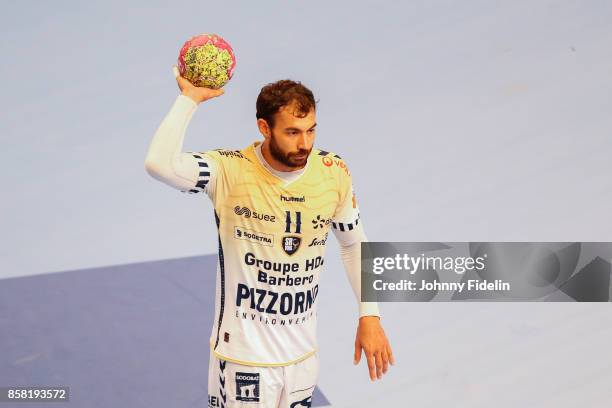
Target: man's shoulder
[(228, 161), (331, 161), (227, 154)]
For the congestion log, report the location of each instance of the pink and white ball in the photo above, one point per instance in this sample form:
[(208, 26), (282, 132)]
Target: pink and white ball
[(207, 60)]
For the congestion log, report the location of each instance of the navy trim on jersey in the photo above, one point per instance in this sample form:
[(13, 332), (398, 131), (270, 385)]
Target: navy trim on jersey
[(325, 153), (343, 226), (222, 269), (222, 392), (203, 176)]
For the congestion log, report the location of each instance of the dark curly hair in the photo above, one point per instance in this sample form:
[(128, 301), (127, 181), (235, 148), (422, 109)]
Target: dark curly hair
[(281, 93)]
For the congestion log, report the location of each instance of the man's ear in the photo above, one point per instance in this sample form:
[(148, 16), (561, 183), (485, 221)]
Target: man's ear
[(264, 129)]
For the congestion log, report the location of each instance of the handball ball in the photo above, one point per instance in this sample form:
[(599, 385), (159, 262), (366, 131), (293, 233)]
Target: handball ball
[(207, 60)]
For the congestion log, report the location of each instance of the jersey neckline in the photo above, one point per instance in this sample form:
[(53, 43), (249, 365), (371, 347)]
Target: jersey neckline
[(274, 179)]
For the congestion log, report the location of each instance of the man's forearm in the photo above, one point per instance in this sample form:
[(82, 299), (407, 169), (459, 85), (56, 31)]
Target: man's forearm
[(164, 160), (351, 258)]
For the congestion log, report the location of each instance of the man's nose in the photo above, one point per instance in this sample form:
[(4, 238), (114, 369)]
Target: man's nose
[(302, 141)]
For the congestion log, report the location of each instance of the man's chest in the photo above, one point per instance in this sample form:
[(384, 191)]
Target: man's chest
[(282, 217)]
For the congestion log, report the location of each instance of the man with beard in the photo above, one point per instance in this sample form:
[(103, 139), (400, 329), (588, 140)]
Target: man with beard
[(274, 203)]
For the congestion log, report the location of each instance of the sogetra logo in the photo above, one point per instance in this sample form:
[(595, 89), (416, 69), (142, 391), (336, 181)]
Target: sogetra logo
[(248, 213), (253, 236)]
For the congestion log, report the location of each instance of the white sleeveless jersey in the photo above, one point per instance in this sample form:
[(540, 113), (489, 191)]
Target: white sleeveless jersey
[(271, 251)]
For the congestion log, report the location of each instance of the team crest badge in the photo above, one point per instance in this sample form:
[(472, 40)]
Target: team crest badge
[(291, 244)]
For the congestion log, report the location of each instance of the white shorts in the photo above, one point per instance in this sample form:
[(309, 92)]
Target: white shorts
[(234, 385)]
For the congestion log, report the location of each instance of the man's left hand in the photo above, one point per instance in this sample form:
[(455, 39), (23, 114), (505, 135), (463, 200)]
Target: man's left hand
[(372, 339)]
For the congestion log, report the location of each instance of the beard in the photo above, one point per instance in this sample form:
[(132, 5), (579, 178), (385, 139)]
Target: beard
[(287, 158)]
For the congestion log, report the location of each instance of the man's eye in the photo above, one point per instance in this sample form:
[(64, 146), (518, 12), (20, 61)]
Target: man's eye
[(311, 130)]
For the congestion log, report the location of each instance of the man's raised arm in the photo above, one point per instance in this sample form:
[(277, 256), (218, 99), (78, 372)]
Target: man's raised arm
[(165, 160)]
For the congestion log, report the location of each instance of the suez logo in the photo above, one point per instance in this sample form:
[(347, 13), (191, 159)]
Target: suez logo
[(253, 236), (248, 213)]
